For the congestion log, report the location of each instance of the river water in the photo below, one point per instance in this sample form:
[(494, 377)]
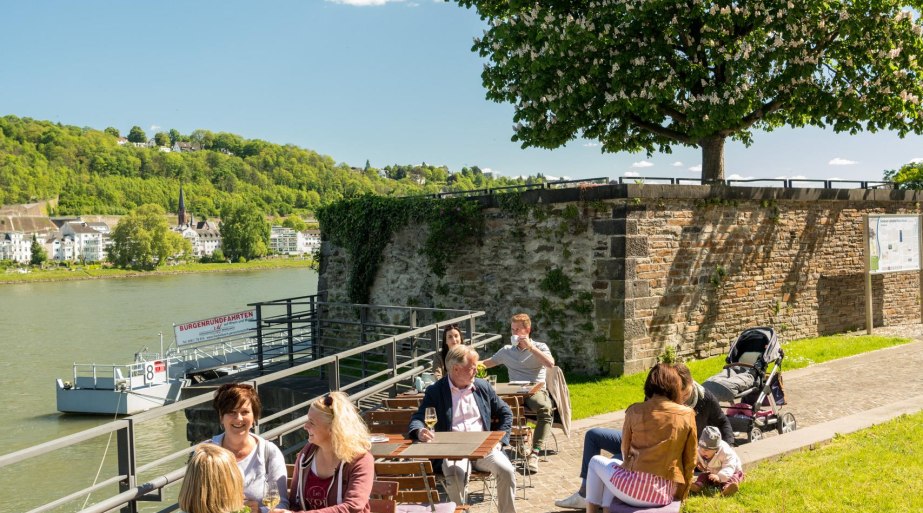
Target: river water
[(46, 327)]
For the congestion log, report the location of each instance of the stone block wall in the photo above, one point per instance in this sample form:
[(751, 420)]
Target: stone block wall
[(613, 274)]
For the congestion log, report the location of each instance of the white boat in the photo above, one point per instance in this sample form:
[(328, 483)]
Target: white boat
[(157, 379)]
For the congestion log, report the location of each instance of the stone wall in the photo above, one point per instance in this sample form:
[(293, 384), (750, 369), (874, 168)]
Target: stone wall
[(613, 274)]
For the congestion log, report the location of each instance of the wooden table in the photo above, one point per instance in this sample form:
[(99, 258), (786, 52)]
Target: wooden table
[(527, 389), (454, 445)]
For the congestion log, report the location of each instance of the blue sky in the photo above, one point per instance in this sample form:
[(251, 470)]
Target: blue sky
[(390, 81)]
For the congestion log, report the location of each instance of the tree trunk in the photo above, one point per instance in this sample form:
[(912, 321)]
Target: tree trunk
[(712, 159)]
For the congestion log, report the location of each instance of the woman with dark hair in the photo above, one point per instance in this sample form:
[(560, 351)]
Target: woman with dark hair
[(707, 410), (260, 461), (451, 337), (659, 445)]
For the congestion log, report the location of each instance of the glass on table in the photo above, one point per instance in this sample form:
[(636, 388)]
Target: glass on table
[(429, 418)]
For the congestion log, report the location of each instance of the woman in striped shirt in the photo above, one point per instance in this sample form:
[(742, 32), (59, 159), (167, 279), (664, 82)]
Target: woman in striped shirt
[(659, 445)]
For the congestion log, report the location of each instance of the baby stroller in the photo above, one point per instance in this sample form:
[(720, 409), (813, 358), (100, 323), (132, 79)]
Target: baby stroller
[(753, 399)]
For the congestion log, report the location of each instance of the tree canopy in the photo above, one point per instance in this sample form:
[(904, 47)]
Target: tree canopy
[(143, 240), (92, 174), (137, 135), (648, 75), (244, 232)]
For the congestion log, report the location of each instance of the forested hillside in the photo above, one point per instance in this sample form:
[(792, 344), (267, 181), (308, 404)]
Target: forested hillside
[(91, 173)]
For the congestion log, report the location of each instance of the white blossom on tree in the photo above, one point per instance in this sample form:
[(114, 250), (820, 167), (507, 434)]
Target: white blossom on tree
[(644, 75)]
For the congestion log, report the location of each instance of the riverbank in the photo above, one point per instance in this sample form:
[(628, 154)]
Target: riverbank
[(96, 272)]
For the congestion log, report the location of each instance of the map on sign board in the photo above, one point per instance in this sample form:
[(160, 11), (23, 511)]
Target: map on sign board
[(894, 243)]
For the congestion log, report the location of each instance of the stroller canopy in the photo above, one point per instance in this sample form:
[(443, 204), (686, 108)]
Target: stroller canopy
[(762, 339)]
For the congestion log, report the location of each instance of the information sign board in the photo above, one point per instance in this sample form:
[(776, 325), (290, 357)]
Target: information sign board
[(894, 243)]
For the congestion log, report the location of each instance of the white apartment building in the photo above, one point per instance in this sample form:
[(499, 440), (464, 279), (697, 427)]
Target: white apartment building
[(88, 243)]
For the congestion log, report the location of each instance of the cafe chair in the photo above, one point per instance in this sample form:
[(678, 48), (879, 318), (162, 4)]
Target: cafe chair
[(388, 421), (520, 439), (403, 402), (417, 491), (383, 499)]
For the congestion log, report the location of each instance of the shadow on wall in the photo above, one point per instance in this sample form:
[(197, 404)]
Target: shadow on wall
[(730, 275)]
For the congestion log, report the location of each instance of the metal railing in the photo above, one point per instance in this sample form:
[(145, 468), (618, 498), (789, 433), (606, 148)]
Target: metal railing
[(376, 351)]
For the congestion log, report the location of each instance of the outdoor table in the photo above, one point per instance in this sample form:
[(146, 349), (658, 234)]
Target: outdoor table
[(451, 445), (518, 388), (514, 388)]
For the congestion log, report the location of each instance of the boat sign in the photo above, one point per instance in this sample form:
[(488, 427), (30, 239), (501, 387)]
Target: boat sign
[(214, 328)]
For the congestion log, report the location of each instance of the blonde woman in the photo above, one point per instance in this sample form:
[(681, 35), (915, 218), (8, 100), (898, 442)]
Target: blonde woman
[(213, 483), (335, 470)]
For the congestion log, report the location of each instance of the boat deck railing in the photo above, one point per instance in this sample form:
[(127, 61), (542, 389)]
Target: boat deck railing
[(365, 351)]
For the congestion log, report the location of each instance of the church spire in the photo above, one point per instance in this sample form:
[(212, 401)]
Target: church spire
[(181, 217)]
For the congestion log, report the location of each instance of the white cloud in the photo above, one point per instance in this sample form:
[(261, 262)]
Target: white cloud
[(797, 177), (841, 162), (677, 164), (552, 178), (155, 128), (916, 160), (364, 3), (642, 164), (631, 173), (735, 176), (696, 169), (488, 170), (591, 145)]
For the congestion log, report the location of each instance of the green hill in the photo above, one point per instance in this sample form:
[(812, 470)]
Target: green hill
[(91, 173)]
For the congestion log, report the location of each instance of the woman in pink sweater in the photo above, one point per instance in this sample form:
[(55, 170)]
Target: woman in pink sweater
[(334, 472)]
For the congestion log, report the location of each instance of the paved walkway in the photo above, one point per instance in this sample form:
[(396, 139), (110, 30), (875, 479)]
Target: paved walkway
[(840, 396)]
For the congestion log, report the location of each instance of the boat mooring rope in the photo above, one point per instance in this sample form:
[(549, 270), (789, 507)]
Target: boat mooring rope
[(105, 452)]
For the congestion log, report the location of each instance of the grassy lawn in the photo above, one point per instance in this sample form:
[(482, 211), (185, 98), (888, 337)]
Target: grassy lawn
[(592, 395), (89, 272), (875, 470)]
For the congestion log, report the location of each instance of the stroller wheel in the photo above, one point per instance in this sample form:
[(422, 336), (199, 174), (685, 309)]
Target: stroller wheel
[(755, 434), (787, 423)]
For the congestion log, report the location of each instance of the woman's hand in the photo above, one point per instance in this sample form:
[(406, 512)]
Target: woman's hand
[(713, 478)]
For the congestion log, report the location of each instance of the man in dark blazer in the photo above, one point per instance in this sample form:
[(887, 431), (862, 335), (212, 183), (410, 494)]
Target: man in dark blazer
[(464, 403)]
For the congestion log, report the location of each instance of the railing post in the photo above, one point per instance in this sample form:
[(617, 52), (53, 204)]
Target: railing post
[(363, 318), (291, 334), (126, 458), (414, 350), (392, 363), (259, 337), (315, 332), (333, 377)]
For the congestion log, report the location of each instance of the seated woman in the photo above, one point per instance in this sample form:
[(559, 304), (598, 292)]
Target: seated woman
[(239, 408), (451, 337), (659, 445), (213, 483), (334, 472)]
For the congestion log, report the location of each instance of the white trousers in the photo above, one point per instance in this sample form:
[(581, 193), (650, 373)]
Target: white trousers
[(599, 487), (456, 477)]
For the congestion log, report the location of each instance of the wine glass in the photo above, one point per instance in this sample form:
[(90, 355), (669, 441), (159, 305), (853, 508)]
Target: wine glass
[(270, 494), (429, 418)]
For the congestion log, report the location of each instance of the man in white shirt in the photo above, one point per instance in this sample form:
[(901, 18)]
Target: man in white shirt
[(464, 403)]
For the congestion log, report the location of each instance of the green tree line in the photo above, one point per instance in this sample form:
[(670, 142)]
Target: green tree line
[(90, 173)]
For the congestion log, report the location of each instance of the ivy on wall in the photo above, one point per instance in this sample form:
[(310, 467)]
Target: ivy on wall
[(365, 225)]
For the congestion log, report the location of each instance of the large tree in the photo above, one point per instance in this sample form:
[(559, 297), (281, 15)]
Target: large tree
[(143, 239), (137, 135), (647, 75), (244, 231)]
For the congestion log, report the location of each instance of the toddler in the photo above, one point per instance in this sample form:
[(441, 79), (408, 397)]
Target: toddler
[(718, 462)]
